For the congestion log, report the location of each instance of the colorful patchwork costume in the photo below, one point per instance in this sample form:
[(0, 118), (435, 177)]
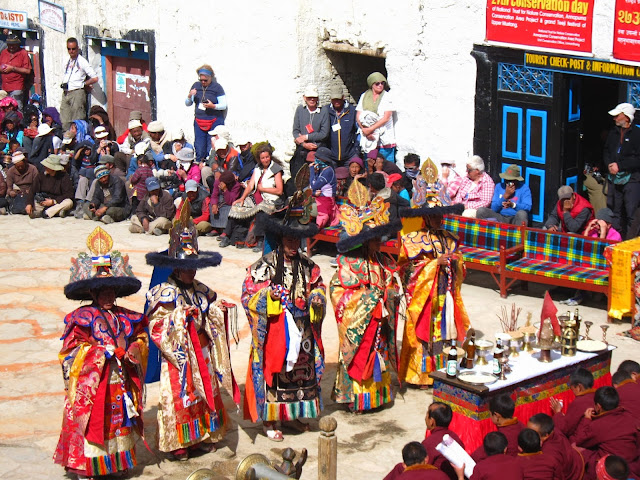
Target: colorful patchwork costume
[(365, 298), (103, 357), (189, 330), (435, 312)]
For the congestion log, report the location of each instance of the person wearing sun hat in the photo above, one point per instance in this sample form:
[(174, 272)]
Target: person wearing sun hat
[(187, 326), (621, 155), (374, 115), (433, 272), (511, 202), (364, 295), (104, 357), (52, 191), (284, 298)]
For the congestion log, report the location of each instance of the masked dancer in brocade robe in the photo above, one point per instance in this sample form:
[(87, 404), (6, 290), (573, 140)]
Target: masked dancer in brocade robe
[(433, 272), (188, 328), (284, 298), (364, 295), (104, 357)]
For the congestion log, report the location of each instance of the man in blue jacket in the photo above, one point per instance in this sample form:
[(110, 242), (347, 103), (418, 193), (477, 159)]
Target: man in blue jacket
[(342, 118), (511, 201)]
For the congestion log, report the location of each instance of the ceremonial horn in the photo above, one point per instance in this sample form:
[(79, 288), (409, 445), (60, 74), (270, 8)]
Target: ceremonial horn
[(257, 467)]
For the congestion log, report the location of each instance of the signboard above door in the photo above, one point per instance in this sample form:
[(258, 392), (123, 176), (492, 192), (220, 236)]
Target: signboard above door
[(555, 24)]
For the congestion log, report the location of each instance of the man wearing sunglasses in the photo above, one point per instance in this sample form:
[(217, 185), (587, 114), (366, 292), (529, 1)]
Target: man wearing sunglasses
[(77, 81)]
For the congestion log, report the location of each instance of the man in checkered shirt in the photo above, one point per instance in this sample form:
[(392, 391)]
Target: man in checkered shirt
[(475, 190)]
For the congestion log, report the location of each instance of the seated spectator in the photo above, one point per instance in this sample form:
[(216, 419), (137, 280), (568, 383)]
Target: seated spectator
[(221, 131), (222, 156), (342, 119), (612, 467), (571, 214), (356, 171), (133, 115), (632, 368), (381, 164), (608, 430), (342, 176), (138, 179), (159, 144), (30, 122), (155, 210), (377, 186), (475, 190), (247, 159), (136, 135), (396, 182), (200, 200), (109, 203), (103, 146), (178, 142), (437, 419), (51, 117), (20, 178), (82, 131), (628, 391), (322, 181), (72, 171), (502, 408), (111, 163), (581, 384), (99, 117), (7, 105), (556, 444), (187, 168), (448, 172), (601, 226), (42, 146), (263, 193), (497, 464), (511, 201), (415, 465), (411, 170), (10, 130), (226, 190), (535, 464), (52, 191)]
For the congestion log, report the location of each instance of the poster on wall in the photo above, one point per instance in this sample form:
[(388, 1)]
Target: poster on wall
[(51, 15), (626, 30), (555, 24), (12, 19)]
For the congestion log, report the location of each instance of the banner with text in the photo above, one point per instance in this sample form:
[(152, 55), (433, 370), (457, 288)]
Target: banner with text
[(583, 66), (561, 24), (626, 30)]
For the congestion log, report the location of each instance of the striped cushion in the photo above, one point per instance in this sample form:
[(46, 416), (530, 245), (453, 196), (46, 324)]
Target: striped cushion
[(574, 273), (480, 255), (482, 234), (576, 250), (332, 231)]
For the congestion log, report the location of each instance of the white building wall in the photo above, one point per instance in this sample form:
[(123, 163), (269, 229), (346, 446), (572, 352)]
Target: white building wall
[(265, 52)]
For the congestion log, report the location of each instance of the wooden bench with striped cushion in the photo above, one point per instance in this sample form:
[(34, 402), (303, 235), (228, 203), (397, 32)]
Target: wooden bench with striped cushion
[(481, 242), (562, 259)]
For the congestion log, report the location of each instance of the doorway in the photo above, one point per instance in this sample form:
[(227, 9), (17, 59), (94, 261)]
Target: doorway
[(353, 69)]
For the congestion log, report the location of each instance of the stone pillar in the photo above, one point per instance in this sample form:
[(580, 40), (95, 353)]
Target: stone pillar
[(328, 449)]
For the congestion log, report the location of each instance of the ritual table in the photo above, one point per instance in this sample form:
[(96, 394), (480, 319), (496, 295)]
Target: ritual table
[(531, 384), (624, 283)]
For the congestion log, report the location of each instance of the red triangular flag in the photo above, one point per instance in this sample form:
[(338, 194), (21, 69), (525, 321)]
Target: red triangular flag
[(549, 311)]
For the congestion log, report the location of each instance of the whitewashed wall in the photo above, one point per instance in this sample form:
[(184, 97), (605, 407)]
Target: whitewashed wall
[(265, 52)]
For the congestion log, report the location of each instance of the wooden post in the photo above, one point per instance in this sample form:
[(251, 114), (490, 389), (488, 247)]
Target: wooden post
[(328, 449)]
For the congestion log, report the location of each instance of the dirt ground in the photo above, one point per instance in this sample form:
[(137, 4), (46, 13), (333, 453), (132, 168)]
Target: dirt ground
[(34, 267)]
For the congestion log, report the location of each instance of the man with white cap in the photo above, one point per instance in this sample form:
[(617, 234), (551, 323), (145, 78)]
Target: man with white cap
[(52, 191), (136, 135), (20, 178), (160, 141), (310, 131), (622, 158), (225, 157)]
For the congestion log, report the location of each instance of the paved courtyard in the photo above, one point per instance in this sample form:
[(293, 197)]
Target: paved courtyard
[(34, 267)]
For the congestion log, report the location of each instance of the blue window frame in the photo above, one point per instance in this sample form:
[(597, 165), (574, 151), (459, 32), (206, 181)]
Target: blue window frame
[(512, 132), (574, 101), (536, 136), (537, 186), (572, 182)]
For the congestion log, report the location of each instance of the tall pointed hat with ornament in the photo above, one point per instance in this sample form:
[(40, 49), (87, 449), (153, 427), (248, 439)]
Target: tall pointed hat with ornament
[(183, 249), (101, 268)]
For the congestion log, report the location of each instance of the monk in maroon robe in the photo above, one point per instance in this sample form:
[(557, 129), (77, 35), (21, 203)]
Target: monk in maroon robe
[(609, 430), (536, 465), (555, 444), (497, 465), (415, 465), (502, 408), (438, 418), (628, 391), (581, 384)]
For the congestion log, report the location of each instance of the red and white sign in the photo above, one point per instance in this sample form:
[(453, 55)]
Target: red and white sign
[(556, 24), (626, 30)]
